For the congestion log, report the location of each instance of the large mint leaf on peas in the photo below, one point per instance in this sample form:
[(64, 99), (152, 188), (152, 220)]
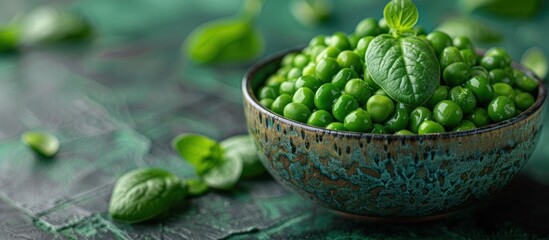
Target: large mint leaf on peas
[(405, 67), (202, 152)]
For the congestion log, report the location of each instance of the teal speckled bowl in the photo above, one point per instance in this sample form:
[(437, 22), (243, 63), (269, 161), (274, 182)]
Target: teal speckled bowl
[(389, 176)]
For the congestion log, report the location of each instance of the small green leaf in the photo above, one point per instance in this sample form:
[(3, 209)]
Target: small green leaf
[(401, 15), (202, 152), (224, 176), (405, 67), (244, 148), (9, 37), (224, 40), (144, 193), (50, 25), (196, 187), (534, 59), (44, 144), (470, 27)]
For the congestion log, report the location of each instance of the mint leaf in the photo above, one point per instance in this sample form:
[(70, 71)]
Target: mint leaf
[(534, 59), (401, 15), (244, 148), (144, 193), (224, 40), (405, 67), (202, 152), (225, 175), (44, 144)]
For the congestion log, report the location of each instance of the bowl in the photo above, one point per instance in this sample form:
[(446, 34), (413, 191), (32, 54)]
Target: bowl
[(383, 176)]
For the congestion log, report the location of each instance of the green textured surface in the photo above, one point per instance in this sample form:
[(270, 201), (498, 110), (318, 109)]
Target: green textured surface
[(116, 103)]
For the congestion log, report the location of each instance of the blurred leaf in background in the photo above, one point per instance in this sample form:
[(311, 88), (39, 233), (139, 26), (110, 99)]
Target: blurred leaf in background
[(508, 8), (312, 12), (9, 37), (225, 40), (534, 59), (470, 27), (47, 25)]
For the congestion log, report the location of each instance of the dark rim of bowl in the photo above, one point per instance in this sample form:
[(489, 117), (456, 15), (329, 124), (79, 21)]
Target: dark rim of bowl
[(249, 96)]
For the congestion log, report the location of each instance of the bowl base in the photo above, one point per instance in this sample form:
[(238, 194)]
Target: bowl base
[(403, 219)]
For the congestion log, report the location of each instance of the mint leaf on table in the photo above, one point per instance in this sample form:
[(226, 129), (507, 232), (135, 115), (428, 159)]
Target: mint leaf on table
[(225, 175), (535, 59), (244, 147), (404, 66), (144, 193), (200, 151), (44, 144), (196, 187), (47, 25), (472, 28)]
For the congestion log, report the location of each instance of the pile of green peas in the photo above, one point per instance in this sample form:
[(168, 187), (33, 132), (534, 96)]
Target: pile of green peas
[(327, 85)]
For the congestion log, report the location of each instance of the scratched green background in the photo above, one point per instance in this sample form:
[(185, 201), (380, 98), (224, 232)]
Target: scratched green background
[(116, 103)]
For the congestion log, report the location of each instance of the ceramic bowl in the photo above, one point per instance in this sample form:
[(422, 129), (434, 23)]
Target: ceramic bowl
[(386, 176)]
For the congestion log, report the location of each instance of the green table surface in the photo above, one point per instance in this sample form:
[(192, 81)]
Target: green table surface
[(116, 103)]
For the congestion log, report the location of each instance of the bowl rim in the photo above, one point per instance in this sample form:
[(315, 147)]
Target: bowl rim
[(249, 96)]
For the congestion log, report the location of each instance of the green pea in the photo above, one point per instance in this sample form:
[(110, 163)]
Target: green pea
[(343, 106), (469, 57), (294, 73), (362, 46), (343, 76), (479, 117), (326, 69), (288, 60), (359, 89), (448, 113), (439, 41), (463, 43), (500, 76), (420, 31), (479, 71), (297, 111), (456, 73), (482, 88), (398, 121), (524, 101), (358, 121), (314, 52), (428, 127), (503, 89), (309, 70), (349, 59), (337, 126), (463, 97), (320, 118), (379, 107), (287, 88), (338, 40), (382, 23), (368, 27), (310, 82), (368, 79), (492, 62), (328, 52), (301, 60), (464, 126), (318, 40), (400, 105), (283, 71), (417, 116), (524, 82), (280, 102), (500, 52), (275, 81), (404, 132), (353, 40), (326, 95), (449, 55), (304, 96), (501, 108), (266, 102), (381, 92), (267, 92), (441, 93), (379, 128)]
